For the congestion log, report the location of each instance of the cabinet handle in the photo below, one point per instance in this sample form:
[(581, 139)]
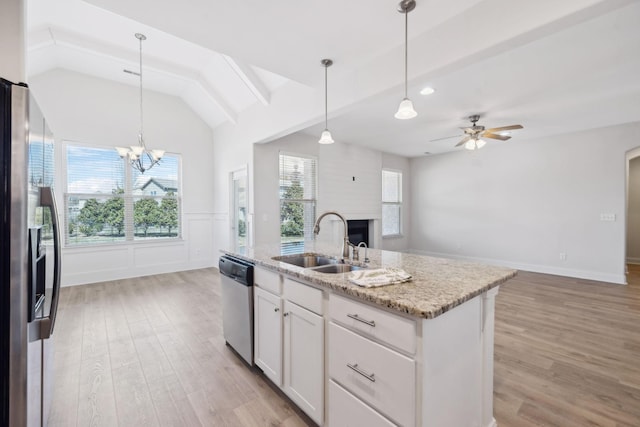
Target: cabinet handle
[(367, 322), (276, 309), (286, 314), (370, 377)]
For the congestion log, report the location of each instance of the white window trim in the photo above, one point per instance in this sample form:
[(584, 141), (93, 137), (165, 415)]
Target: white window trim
[(63, 176), (397, 203)]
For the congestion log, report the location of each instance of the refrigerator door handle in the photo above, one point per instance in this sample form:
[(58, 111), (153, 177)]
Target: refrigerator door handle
[(47, 199)]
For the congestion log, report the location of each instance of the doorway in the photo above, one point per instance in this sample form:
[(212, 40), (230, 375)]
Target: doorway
[(239, 211)]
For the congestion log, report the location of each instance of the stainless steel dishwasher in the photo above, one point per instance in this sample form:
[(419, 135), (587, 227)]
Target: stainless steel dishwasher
[(236, 279)]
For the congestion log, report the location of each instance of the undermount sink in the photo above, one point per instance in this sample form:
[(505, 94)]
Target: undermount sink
[(306, 261), (319, 263), (337, 268)]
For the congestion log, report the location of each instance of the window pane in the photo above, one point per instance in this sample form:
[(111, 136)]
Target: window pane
[(108, 201), (390, 219), (94, 220), (391, 186), (155, 217), (297, 202)]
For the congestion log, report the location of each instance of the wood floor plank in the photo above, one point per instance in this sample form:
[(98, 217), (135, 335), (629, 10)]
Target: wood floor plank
[(566, 354)]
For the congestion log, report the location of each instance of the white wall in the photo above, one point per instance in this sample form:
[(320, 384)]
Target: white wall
[(99, 112), (524, 203), (633, 212), (229, 157), (338, 165), (402, 164), (12, 40)]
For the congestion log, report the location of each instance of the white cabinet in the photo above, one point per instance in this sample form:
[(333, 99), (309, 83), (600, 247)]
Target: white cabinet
[(364, 362), (379, 376), (267, 312), (346, 410), (304, 359), (289, 339)]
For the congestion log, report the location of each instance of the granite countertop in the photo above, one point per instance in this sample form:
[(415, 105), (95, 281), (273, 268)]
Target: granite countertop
[(437, 286)]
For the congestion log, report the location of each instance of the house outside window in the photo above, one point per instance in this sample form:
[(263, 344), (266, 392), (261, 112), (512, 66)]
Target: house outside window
[(107, 201), (391, 203), (298, 178)]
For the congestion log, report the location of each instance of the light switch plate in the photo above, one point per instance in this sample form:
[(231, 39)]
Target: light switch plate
[(607, 217)]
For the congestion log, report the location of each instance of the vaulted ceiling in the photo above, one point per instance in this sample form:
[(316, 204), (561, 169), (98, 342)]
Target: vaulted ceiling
[(554, 67)]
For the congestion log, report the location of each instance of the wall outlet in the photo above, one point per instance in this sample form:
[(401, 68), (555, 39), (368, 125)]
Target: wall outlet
[(563, 256), (607, 217)]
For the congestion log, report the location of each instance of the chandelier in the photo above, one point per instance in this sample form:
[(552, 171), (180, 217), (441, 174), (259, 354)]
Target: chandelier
[(139, 156)]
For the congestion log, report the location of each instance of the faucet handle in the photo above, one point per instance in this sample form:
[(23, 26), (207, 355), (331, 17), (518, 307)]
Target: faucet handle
[(356, 253)]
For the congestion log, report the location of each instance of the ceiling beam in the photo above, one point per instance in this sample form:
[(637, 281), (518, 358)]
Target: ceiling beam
[(58, 37), (250, 79)]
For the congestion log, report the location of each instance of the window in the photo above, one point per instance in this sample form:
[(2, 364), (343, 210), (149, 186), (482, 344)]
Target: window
[(297, 201), (107, 201), (391, 203)]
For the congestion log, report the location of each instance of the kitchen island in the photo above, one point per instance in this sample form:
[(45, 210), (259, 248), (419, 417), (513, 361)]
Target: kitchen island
[(415, 353)]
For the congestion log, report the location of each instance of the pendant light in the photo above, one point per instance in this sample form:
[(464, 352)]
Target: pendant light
[(138, 156), (326, 138), (405, 110)]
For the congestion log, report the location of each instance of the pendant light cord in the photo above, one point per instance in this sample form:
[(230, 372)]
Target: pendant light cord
[(325, 97), (141, 115), (406, 49)]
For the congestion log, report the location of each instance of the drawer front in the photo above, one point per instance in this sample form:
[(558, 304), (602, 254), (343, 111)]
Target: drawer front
[(381, 377), (303, 295), (346, 410), (267, 280), (397, 331)]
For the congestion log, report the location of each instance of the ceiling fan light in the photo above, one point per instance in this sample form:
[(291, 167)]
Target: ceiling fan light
[(406, 110), (480, 143), (470, 145), (326, 138)]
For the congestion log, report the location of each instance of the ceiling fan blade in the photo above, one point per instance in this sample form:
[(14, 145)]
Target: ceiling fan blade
[(446, 137), (503, 128), (495, 136), (464, 140)]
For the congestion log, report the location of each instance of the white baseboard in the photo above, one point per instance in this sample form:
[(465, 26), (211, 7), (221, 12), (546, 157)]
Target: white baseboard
[(618, 279), (633, 260)]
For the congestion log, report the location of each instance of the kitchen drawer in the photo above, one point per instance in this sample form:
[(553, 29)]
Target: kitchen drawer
[(346, 410), (397, 331), (303, 295), (386, 381), (267, 280)]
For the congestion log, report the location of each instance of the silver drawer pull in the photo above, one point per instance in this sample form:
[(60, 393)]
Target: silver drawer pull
[(367, 322), (370, 377)]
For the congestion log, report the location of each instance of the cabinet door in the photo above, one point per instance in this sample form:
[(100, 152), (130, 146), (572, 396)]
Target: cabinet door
[(304, 359), (268, 334)]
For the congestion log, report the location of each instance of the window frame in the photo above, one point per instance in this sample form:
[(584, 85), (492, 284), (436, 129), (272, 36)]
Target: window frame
[(129, 238), (313, 201), (397, 203)]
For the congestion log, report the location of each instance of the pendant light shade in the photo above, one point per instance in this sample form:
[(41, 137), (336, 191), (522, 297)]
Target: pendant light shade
[(406, 110), (326, 138)]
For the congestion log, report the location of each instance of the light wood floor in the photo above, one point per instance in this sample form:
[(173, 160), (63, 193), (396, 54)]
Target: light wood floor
[(150, 352)]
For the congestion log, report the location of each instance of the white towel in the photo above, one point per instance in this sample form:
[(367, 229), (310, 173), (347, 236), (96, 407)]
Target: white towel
[(379, 277)]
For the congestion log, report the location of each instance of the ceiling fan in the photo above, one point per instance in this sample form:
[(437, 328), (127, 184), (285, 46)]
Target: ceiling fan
[(473, 134)]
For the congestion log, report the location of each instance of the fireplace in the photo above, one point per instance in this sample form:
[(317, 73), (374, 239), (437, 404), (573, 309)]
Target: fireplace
[(358, 231)]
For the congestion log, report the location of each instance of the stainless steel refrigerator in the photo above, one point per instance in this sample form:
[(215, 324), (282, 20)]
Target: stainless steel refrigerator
[(30, 263)]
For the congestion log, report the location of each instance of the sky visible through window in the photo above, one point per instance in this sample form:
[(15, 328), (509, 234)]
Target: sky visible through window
[(93, 170)]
